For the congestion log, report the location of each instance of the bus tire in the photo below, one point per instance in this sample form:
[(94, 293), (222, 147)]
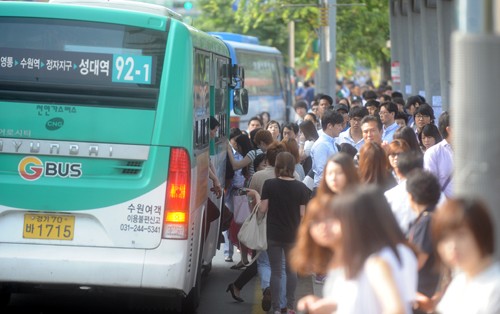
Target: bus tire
[(4, 299), (192, 300)]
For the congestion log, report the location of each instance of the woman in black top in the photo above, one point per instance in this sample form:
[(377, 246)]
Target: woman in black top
[(284, 199)]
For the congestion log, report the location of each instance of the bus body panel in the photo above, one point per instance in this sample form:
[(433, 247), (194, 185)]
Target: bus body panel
[(162, 268), (136, 223), (60, 122)]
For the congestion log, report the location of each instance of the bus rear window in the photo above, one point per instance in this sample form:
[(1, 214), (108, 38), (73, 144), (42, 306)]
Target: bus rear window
[(262, 76), (80, 63)]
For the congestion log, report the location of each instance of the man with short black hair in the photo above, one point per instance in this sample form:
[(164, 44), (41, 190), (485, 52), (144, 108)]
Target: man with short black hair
[(401, 119), (387, 114), (325, 102), (412, 104), (369, 95), (356, 102), (354, 135), (371, 127), (372, 107), (424, 193), (289, 130), (324, 147), (396, 94), (400, 102), (254, 123), (344, 111), (300, 111)]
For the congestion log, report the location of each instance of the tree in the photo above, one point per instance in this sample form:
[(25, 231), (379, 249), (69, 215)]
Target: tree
[(362, 31), (266, 20), (362, 35)]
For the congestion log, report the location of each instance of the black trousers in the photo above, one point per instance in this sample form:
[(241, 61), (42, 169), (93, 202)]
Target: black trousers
[(246, 275)]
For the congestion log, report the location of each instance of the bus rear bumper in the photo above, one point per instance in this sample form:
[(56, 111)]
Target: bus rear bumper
[(37, 265)]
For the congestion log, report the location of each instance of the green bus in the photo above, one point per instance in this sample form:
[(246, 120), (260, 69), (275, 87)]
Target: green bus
[(105, 147)]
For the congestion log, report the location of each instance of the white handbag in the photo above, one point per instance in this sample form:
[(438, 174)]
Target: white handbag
[(253, 232)]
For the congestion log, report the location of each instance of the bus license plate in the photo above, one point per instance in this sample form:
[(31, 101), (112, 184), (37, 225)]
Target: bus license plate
[(48, 227)]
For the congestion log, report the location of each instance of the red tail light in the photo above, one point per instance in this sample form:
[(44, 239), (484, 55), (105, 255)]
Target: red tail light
[(175, 224)]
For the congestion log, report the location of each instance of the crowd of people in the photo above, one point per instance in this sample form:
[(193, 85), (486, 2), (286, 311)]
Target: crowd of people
[(358, 192)]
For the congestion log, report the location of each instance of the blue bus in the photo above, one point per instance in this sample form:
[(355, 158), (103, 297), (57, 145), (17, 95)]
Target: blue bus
[(265, 77)]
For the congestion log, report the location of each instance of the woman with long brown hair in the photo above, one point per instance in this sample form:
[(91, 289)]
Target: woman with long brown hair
[(379, 270), (374, 166), (340, 173), (311, 253)]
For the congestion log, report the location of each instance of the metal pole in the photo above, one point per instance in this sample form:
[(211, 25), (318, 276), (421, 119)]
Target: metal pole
[(475, 68), (322, 84), (291, 44), (332, 69)]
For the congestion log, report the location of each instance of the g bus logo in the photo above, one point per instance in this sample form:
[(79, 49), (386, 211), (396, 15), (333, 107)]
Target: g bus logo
[(31, 168)]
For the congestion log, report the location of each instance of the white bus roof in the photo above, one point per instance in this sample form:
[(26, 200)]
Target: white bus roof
[(153, 7)]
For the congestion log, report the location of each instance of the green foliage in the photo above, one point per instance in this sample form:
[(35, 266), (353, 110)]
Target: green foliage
[(362, 34), (362, 31)]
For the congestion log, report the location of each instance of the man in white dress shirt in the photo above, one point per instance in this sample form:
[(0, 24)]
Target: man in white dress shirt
[(438, 159)]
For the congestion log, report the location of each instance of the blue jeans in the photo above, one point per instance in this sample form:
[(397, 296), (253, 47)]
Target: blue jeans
[(278, 251), (264, 269), (228, 246)]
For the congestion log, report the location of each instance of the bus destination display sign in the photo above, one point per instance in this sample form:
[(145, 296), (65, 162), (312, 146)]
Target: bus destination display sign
[(78, 67)]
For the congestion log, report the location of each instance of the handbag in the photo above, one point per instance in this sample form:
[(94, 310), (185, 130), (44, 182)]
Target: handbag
[(253, 232), (241, 207)]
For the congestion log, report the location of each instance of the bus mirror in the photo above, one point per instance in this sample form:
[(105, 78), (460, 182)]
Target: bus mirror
[(240, 101), (238, 75)]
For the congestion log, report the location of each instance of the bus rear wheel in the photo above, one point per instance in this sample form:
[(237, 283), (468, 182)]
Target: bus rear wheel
[(4, 299), (192, 300)]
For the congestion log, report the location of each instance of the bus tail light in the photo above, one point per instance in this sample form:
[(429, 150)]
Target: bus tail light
[(175, 224)]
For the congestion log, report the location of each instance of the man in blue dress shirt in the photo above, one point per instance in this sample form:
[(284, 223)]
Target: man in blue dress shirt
[(324, 147), (387, 114)]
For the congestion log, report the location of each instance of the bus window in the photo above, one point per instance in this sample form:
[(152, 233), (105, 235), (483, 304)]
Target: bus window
[(201, 85), (261, 73), (76, 62)]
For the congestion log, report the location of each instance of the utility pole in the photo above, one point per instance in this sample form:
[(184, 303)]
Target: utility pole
[(475, 68), (291, 44), (327, 70), (332, 69), (323, 81)]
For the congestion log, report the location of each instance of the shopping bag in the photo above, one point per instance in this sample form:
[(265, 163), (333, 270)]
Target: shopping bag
[(253, 231), (241, 208)]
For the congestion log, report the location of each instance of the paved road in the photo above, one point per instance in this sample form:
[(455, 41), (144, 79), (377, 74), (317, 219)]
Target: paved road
[(221, 276), (214, 299)]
